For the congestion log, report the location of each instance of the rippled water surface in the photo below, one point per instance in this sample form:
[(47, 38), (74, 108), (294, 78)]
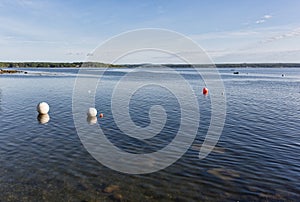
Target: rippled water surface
[(256, 158)]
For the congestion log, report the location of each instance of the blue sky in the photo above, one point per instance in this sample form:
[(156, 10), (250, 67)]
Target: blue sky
[(229, 31)]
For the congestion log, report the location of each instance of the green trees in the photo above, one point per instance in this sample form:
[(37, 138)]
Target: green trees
[(99, 64)]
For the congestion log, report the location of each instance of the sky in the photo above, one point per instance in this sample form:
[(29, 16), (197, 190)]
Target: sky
[(231, 31)]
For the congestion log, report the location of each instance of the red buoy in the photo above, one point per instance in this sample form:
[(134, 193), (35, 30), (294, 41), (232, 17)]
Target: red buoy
[(205, 91), (101, 115)]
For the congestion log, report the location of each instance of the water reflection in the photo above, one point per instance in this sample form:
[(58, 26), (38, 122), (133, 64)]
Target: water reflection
[(215, 149), (0, 100), (91, 120), (43, 118), (256, 158)]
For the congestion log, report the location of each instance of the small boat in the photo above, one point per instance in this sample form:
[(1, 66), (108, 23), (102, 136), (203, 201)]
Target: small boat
[(236, 72)]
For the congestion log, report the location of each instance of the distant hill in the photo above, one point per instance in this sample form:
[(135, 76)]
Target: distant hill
[(97, 64), (243, 65), (53, 64)]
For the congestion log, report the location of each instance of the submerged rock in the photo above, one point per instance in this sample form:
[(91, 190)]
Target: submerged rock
[(224, 174), (111, 188), (118, 196)]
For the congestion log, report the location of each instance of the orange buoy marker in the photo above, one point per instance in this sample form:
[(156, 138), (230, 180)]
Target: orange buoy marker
[(101, 115), (205, 91)]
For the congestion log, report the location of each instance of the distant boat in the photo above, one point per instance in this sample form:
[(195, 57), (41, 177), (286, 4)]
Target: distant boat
[(236, 72)]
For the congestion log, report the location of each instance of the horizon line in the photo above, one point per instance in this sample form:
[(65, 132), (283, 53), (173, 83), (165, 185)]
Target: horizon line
[(219, 63)]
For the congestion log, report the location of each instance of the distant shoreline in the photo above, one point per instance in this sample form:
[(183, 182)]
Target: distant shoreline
[(104, 65)]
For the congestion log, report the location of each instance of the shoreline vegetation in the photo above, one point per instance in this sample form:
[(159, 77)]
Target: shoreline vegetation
[(4, 71), (97, 64)]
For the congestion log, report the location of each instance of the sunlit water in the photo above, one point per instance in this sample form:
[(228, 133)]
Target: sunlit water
[(256, 158)]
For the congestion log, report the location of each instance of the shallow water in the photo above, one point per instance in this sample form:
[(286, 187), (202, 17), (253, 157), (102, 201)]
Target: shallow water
[(256, 158)]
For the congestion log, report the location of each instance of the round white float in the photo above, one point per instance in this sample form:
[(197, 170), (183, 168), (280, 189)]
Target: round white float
[(43, 108), (92, 112)]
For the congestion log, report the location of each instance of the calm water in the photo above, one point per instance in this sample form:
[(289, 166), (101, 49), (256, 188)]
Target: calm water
[(256, 158)]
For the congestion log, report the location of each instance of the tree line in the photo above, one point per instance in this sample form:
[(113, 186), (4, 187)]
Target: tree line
[(53, 64), (98, 64)]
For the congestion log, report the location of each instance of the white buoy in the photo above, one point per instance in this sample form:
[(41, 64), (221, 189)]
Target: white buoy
[(42, 108), (92, 112)]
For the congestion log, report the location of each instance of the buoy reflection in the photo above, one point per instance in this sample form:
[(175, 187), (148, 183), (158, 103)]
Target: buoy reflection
[(91, 120), (43, 118)]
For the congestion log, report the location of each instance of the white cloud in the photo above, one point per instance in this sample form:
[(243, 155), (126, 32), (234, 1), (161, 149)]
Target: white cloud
[(259, 44), (224, 35), (263, 19), (26, 4), (293, 33), (267, 16), (261, 56), (75, 53), (260, 21)]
